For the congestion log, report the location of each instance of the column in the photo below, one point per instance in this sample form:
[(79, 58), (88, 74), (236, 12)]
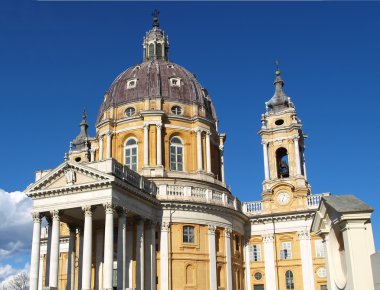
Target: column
[(129, 254), (108, 247), (270, 271), (199, 150), (297, 155), (109, 145), (87, 248), (307, 260), (140, 255), (212, 253), (100, 147), (265, 152), (40, 272), (159, 144), (247, 265), (35, 257), (121, 250), (208, 152), (152, 256), (304, 164), (164, 256), (221, 149), (71, 260), (80, 257), (48, 248), (229, 258), (146, 145), (92, 155), (99, 259), (54, 255)]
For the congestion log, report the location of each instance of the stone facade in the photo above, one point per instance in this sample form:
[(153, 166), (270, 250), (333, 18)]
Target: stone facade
[(144, 204)]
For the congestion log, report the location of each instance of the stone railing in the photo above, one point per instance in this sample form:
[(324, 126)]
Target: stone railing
[(252, 207), (198, 194), (314, 200)]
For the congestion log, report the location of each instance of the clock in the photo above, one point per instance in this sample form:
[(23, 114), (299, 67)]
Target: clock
[(283, 198)]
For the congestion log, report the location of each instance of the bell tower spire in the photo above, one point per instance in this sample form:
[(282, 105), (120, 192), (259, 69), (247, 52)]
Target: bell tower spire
[(283, 147), (156, 43)]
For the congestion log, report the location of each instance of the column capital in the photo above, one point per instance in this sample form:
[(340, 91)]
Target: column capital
[(165, 226), (208, 133), (88, 210), (109, 207), (304, 235), (146, 125), (268, 238), (121, 211), (199, 130), (109, 133), (228, 231), (264, 142), (296, 137), (56, 214), (211, 229), (36, 217)]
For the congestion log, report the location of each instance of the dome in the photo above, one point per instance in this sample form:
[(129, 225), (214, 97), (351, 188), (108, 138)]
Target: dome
[(157, 78)]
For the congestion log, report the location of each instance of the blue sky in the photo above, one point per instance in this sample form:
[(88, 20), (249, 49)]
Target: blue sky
[(58, 57)]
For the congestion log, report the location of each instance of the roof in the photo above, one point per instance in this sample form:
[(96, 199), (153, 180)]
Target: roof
[(152, 80), (346, 204)]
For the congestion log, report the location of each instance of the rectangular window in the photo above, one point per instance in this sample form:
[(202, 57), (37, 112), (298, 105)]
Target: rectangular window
[(188, 234), (255, 253), (237, 243), (319, 249), (323, 287), (258, 287), (286, 251)]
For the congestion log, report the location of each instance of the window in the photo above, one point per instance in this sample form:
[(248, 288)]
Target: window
[(323, 287), (289, 279), (176, 154), (258, 287), (282, 163), (237, 243), (176, 110), (175, 82), (258, 276), (131, 84), (286, 251), (130, 111), (321, 272), (319, 249), (188, 234), (255, 253), (151, 51), (159, 50), (130, 150)]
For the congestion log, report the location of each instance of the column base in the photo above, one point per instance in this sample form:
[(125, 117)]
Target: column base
[(49, 288)]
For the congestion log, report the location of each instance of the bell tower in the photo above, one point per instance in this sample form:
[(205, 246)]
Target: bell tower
[(283, 148)]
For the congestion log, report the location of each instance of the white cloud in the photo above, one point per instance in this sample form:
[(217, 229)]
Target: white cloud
[(15, 233)]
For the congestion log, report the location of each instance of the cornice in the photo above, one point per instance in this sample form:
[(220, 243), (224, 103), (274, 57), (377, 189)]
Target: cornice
[(281, 217)]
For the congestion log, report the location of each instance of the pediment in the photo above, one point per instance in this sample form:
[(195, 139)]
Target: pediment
[(68, 175)]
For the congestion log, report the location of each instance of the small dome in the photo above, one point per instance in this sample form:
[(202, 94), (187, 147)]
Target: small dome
[(157, 78)]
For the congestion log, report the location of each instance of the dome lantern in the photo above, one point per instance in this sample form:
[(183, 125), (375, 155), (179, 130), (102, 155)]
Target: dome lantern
[(156, 43)]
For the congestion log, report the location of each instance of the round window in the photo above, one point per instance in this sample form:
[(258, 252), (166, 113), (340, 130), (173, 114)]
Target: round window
[(176, 110), (279, 122), (130, 111), (258, 276), (321, 272)]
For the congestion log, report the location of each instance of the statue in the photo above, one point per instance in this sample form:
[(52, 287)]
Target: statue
[(70, 176)]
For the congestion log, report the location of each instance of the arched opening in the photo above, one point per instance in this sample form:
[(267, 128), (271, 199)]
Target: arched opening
[(159, 50), (176, 154), (219, 276), (190, 275), (282, 163), (289, 280), (130, 154), (151, 51)]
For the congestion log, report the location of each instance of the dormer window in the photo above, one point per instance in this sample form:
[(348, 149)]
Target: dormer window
[(176, 110), (130, 111), (175, 82), (131, 83), (170, 66)]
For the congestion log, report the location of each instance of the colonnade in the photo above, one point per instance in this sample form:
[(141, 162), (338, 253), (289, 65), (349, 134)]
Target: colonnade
[(145, 277)]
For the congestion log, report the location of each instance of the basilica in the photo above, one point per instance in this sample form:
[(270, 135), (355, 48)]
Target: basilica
[(144, 203)]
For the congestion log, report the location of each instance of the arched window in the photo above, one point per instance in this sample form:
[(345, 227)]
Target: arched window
[(176, 154), (282, 163), (159, 50), (188, 234), (289, 279), (130, 153), (151, 51)]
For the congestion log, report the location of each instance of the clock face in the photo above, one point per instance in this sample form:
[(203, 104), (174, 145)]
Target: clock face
[(283, 197)]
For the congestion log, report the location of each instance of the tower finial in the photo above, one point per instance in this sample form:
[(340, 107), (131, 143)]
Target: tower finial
[(277, 62), (155, 14), (84, 115)]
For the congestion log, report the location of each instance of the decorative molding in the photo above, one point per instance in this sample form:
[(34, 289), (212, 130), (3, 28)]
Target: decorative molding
[(70, 176), (56, 214), (165, 226), (211, 229), (109, 207), (282, 218), (304, 235), (228, 231)]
